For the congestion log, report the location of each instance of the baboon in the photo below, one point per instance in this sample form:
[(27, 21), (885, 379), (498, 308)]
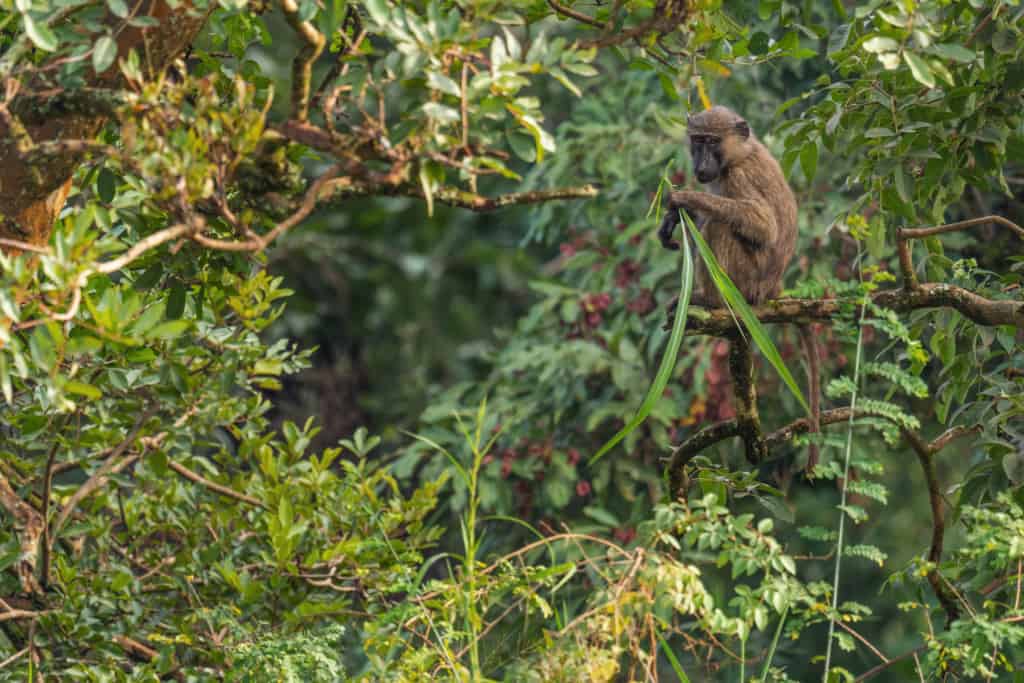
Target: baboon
[(748, 218)]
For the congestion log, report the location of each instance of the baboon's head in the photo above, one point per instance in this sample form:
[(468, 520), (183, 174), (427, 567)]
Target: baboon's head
[(718, 139)]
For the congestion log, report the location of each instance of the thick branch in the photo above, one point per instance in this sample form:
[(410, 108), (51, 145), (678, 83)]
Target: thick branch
[(12, 614), (32, 193), (719, 322), (720, 431), (744, 389), (302, 67)]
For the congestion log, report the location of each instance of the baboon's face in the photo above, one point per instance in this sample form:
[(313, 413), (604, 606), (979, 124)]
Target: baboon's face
[(706, 151)]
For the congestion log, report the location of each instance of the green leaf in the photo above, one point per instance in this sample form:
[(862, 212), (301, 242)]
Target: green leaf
[(1004, 42), (837, 40), (437, 81), (732, 297), (39, 34), (562, 78), (118, 8), (1013, 466), (440, 112), (82, 389), (106, 185), (169, 329), (879, 133), (668, 360), (954, 52), (378, 10), (5, 380), (522, 146), (601, 516), (149, 277), (176, 302), (920, 69), (880, 44), (809, 160), (903, 187), (103, 54)]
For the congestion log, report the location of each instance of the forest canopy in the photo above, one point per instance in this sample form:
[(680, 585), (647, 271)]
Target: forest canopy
[(337, 343)]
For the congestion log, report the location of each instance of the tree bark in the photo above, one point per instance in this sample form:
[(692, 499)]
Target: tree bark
[(33, 191)]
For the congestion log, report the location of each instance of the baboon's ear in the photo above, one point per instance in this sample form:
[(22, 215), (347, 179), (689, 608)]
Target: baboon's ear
[(743, 129)]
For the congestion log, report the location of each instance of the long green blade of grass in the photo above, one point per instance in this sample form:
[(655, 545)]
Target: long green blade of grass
[(668, 360), (673, 660), (775, 644), (732, 297)]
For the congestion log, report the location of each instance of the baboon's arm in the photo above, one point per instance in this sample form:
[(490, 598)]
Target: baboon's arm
[(753, 220)]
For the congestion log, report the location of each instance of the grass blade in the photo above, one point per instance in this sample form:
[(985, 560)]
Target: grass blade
[(775, 644), (671, 656), (735, 301), (668, 360)]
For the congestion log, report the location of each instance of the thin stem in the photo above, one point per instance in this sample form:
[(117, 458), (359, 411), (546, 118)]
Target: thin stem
[(775, 644), (842, 503)]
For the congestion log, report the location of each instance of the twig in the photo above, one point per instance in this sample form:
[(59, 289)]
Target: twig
[(862, 639), (475, 202), (871, 673), (12, 614), (13, 658), (925, 457), (905, 235), (44, 571), (212, 485), (23, 246), (136, 649), (142, 246), (573, 14)]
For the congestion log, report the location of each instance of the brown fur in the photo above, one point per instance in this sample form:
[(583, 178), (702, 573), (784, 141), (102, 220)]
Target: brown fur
[(749, 216), (749, 219)]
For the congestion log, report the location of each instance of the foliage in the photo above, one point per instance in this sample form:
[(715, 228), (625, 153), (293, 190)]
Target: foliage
[(161, 514)]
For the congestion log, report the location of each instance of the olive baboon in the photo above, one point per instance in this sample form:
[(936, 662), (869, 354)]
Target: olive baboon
[(749, 219), (749, 216)]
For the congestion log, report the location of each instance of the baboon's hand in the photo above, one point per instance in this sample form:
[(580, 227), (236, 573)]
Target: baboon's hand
[(678, 199), (668, 227)]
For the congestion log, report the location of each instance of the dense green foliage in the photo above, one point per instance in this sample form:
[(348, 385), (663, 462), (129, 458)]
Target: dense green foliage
[(225, 268)]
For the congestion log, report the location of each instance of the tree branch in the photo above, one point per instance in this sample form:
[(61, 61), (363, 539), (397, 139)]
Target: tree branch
[(212, 485), (720, 431), (926, 456), (905, 235), (302, 67), (34, 192), (744, 388), (720, 323)]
